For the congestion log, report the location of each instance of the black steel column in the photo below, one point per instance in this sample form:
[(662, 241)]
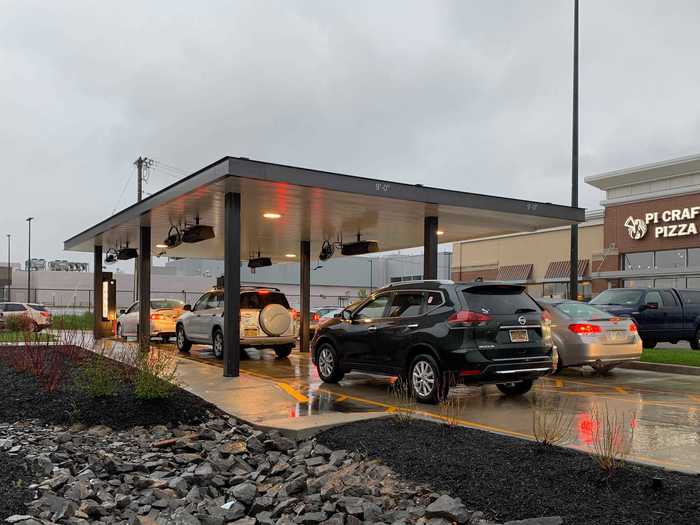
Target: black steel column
[(144, 265), (305, 294), (97, 293), (573, 272), (232, 284), (430, 247)]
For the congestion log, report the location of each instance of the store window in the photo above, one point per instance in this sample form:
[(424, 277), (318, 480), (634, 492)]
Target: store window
[(694, 257), (561, 291), (670, 282), (638, 283), (670, 259), (638, 261)]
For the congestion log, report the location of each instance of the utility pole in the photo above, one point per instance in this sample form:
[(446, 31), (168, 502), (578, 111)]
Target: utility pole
[(573, 275), (29, 262), (9, 270), (140, 163)]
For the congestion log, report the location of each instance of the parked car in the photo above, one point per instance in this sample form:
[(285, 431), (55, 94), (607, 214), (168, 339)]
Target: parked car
[(317, 314), (38, 315), (164, 313), (586, 335), (662, 314), (435, 333), (266, 322)]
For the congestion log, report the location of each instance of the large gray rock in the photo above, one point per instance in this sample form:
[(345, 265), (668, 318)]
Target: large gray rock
[(245, 492), (449, 508)]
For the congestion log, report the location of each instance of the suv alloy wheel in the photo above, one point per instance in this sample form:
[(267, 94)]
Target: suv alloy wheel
[(427, 382), (328, 366), (218, 344), (183, 344)]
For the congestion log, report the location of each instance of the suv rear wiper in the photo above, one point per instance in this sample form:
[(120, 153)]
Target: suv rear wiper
[(524, 310)]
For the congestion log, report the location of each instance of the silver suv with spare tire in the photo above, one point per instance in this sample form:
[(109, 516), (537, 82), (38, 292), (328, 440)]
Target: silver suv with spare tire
[(267, 321)]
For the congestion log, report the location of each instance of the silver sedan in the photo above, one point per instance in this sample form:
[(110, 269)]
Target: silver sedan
[(585, 335)]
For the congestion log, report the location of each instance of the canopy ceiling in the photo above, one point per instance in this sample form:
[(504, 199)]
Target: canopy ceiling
[(315, 206)]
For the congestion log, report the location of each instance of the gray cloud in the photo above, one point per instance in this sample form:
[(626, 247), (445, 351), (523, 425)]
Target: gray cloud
[(466, 95)]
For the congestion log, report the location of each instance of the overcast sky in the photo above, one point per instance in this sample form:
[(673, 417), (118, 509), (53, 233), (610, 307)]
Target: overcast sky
[(468, 95)]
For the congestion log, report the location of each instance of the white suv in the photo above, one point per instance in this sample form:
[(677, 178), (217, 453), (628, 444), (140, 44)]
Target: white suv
[(267, 321), (38, 315)]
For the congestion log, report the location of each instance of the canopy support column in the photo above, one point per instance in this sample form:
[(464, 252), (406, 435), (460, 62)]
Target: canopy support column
[(97, 293), (305, 295), (144, 269), (430, 248), (232, 284)]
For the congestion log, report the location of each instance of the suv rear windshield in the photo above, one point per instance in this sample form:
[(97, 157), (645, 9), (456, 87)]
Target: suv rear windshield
[(260, 299), (168, 303), (499, 300), (619, 296), (38, 307)]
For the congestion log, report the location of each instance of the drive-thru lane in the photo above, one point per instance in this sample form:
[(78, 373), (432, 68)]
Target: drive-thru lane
[(664, 409)]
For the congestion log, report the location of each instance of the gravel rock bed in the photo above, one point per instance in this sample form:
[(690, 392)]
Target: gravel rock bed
[(210, 474), (511, 478), (24, 399)]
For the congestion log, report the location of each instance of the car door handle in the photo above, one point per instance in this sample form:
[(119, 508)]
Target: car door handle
[(412, 325), (372, 329)]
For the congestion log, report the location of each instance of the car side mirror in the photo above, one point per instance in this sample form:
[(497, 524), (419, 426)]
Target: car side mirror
[(346, 314), (651, 306), (122, 311), (336, 316), (187, 308)]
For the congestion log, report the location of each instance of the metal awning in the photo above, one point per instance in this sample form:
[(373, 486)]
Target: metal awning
[(559, 271), (315, 206), (516, 273)]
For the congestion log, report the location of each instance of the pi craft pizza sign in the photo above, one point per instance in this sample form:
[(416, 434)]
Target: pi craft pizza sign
[(667, 223)]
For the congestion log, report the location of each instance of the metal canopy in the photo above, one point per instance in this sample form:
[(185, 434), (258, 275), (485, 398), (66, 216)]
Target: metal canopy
[(313, 206)]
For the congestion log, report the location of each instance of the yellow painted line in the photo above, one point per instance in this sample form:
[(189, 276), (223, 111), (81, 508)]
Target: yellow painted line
[(630, 387), (621, 390), (695, 399), (601, 395), (391, 410), (340, 399), (294, 393), (558, 383)]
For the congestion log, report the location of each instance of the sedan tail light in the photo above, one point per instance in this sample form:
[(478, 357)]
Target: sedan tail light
[(468, 318), (295, 314), (157, 317), (585, 328), (632, 327), (315, 316), (45, 314)]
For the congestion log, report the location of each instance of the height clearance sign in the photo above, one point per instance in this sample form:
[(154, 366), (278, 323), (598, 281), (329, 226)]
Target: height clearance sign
[(668, 223)]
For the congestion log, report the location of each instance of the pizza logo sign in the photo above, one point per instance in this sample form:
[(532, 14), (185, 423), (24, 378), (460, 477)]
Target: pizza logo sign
[(668, 223), (636, 228)]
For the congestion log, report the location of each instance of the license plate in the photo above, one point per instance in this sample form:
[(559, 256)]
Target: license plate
[(250, 332), (617, 336), (518, 336)]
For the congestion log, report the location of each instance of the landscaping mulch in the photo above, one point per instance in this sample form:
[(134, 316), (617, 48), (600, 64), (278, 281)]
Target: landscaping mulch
[(23, 399), (512, 478), (14, 480)]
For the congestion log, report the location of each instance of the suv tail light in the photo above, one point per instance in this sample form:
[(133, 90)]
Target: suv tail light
[(584, 328), (468, 318)]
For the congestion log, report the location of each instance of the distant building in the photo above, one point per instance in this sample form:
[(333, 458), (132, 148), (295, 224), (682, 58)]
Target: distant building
[(68, 266)]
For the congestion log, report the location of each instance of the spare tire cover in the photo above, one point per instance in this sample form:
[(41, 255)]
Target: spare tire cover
[(274, 319)]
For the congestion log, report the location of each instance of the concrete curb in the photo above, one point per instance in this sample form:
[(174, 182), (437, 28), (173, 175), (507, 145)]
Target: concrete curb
[(662, 367)]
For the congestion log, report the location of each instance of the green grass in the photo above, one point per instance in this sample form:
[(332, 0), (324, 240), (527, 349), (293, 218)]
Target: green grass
[(73, 321), (671, 356), (20, 337)]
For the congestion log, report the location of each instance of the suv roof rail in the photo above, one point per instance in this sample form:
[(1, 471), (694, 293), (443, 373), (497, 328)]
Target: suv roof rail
[(439, 281), (247, 287)]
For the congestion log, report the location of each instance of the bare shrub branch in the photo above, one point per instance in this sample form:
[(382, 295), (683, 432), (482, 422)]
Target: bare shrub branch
[(552, 420), (613, 434)]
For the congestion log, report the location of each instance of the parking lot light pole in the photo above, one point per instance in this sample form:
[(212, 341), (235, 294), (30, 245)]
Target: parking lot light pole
[(430, 247), (305, 295), (96, 293), (144, 266), (29, 261), (232, 284), (9, 270), (573, 270)]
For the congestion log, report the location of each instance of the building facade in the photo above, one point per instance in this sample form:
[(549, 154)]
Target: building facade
[(646, 235)]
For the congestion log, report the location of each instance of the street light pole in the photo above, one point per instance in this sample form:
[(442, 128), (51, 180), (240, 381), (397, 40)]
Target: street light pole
[(573, 272), (29, 262), (9, 270)]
